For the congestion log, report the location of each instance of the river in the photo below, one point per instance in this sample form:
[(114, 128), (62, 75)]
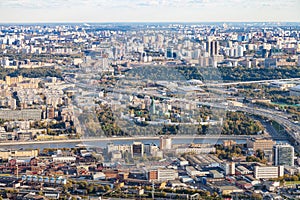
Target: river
[(103, 144)]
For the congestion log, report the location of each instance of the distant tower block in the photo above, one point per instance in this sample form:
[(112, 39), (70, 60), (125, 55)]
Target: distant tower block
[(212, 47), (137, 149), (170, 53), (50, 113), (165, 143), (152, 107)]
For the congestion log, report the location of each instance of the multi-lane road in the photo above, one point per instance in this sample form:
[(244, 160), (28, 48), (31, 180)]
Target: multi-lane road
[(292, 128), (249, 82)]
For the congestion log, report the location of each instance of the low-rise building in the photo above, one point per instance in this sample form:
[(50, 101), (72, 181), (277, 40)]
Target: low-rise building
[(282, 85), (26, 114), (216, 174), (242, 170), (5, 154), (191, 171), (227, 190), (268, 171), (262, 144), (167, 174), (195, 150), (62, 159)]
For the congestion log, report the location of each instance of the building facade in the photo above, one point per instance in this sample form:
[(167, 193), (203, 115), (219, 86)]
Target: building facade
[(262, 144), (283, 155), (268, 172)]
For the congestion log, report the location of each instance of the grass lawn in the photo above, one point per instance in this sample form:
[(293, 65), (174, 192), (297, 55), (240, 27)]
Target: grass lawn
[(48, 137), (277, 126), (292, 182)]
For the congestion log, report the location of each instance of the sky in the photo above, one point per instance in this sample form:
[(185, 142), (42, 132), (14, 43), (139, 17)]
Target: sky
[(27, 11)]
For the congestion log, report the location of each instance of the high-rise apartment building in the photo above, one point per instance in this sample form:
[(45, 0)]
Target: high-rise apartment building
[(165, 143), (137, 149), (212, 47), (170, 52)]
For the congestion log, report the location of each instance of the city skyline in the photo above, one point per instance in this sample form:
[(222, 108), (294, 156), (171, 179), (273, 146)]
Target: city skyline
[(149, 110), (149, 11)]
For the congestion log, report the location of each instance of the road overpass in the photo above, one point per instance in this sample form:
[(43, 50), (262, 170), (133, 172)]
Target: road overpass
[(250, 82), (291, 128)]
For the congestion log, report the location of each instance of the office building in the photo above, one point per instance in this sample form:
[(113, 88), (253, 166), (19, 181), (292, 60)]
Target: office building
[(268, 171), (161, 174), (137, 149), (283, 155), (166, 174), (262, 144)]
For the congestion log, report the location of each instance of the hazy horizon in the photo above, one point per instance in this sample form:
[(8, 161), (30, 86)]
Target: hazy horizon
[(114, 11)]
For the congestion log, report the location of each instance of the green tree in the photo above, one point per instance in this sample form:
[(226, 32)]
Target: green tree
[(256, 196), (295, 178), (107, 188), (260, 154), (91, 188)]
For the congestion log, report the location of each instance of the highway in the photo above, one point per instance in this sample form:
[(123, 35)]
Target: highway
[(292, 128), (249, 82)]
